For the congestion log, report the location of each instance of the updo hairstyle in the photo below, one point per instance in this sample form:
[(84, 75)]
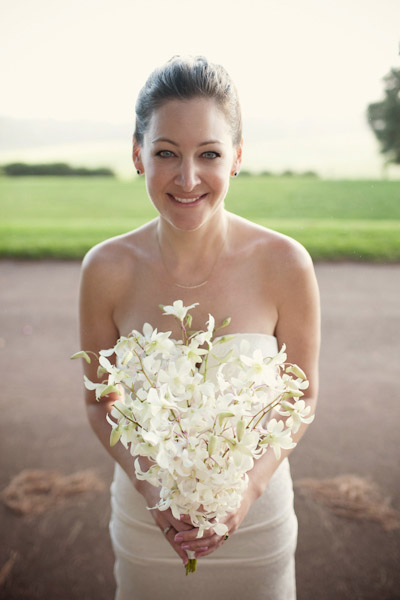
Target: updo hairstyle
[(183, 78)]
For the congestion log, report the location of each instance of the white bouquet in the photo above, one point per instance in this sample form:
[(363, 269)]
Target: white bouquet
[(201, 425)]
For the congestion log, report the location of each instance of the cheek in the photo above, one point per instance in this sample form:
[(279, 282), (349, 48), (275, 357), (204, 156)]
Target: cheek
[(156, 174), (222, 176), (221, 172)]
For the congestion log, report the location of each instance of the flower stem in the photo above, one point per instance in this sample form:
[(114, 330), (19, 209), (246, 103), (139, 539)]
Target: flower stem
[(126, 416), (191, 566), (142, 367), (265, 409), (268, 409)]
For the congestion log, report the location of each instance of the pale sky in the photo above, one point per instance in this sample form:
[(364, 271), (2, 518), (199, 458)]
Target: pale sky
[(305, 71)]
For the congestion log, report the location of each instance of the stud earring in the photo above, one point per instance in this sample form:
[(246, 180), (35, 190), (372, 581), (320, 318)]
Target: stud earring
[(235, 174), (138, 172)]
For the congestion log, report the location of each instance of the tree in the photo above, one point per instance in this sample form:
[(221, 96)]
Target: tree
[(384, 118)]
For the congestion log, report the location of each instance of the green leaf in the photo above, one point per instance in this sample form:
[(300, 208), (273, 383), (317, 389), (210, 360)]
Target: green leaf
[(115, 436), (240, 429), (296, 371), (224, 415), (264, 442), (110, 389), (82, 354), (212, 442), (292, 394), (225, 323), (100, 371)]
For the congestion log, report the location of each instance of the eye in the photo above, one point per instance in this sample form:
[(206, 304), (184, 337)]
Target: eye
[(165, 154), (211, 154)]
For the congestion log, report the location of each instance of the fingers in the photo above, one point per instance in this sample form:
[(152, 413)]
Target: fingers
[(170, 527), (187, 535), (208, 543), (183, 536), (186, 519), (178, 525), (165, 517), (181, 552), (202, 546)]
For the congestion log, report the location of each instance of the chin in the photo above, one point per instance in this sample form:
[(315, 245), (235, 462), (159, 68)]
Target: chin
[(194, 218), (181, 225)]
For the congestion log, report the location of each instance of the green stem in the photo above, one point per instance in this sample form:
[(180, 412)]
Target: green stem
[(266, 411), (191, 566), (126, 416), (205, 366), (179, 423), (267, 408), (143, 371)]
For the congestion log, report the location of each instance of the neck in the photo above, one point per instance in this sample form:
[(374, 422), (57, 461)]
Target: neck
[(189, 257)]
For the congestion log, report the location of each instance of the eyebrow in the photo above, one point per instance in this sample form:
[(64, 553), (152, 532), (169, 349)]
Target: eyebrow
[(163, 139)]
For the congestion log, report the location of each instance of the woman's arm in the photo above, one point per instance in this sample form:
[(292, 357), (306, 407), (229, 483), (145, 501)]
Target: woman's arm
[(298, 326), (98, 331), (99, 291)]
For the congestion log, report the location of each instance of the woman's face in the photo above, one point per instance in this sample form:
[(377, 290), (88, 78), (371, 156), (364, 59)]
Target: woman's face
[(187, 156)]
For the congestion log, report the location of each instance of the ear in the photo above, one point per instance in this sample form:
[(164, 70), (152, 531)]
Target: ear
[(237, 158), (137, 155)]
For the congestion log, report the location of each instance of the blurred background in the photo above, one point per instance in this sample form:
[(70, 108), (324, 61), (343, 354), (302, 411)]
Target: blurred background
[(305, 71), (319, 84)]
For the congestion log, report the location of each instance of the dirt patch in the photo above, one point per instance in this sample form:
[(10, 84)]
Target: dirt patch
[(33, 492), (352, 497)]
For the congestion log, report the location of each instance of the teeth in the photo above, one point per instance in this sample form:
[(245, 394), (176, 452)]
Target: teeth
[(186, 200)]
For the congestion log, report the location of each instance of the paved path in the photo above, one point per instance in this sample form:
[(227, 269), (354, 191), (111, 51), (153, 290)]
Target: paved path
[(65, 553)]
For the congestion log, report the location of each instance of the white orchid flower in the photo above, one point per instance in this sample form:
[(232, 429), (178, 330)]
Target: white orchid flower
[(299, 413), (202, 337), (177, 375), (194, 353), (178, 310), (259, 372), (277, 437), (157, 341), (279, 358), (116, 375), (243, 448), (102, 389)]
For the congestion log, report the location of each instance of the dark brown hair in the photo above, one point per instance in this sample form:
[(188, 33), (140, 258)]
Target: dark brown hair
[(184, 78)]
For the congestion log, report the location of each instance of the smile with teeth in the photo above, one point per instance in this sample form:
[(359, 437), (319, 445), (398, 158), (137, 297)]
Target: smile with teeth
[(187, 200)]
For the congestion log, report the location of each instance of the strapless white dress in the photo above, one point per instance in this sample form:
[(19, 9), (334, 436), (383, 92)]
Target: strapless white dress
[(256, 563)]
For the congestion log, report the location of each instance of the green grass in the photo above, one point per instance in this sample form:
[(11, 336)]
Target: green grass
[(64, 217)]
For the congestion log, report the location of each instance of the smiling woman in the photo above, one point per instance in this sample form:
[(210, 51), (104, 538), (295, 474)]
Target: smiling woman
[(188, 156), (188, 144)]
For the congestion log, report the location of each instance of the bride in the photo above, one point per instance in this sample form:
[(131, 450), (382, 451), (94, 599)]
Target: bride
[(188, 144)]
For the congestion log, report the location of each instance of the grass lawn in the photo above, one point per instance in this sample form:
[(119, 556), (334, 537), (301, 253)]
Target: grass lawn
[(64, 217)]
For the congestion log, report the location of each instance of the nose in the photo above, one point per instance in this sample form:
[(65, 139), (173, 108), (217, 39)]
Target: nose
[(187, 176)]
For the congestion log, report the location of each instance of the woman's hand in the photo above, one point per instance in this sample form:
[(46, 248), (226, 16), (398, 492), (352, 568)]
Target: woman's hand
[(165, 520), (210, 541)]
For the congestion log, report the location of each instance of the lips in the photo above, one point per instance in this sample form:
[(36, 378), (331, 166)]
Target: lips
[(188, 200)]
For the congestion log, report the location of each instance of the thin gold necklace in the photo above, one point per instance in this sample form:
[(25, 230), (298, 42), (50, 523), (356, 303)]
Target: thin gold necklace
[(198, 285)]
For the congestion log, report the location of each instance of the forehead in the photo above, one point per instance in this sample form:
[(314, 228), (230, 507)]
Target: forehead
[(194, 120)]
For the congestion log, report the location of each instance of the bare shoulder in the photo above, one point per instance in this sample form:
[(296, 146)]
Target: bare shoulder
[(116, 257), (106, 271), (274, 252)]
